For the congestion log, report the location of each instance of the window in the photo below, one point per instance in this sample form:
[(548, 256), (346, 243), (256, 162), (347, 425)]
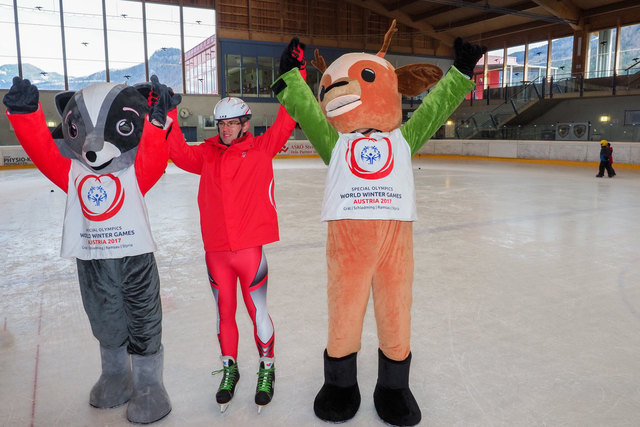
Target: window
[(601, 53), (561, 57), (515, 65), (84, 41), (265, 75), (125, 41), (8, 48), (249, 76), (494, 68), (163, 44), (40, 26), (629, 61), (233, 75), (200, 50), (537, 64)]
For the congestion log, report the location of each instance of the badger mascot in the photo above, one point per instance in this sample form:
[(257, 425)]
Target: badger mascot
[(108, 157), (369, 204)]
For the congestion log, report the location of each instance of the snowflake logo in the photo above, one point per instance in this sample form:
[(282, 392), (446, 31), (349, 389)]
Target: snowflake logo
[(97, 195), (370, 154)]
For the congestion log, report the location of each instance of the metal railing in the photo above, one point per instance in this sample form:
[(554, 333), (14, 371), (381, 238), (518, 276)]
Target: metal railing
[(493, 124)]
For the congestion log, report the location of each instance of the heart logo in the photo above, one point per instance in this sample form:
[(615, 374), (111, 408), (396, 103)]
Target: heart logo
[(370, 158), (101, 197)]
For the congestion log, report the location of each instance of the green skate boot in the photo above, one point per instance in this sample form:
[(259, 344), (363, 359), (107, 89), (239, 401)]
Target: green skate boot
[(230, 377), (266, 380)]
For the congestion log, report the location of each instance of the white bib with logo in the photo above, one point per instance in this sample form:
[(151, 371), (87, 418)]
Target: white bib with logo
[(105, 216), (370, 178)]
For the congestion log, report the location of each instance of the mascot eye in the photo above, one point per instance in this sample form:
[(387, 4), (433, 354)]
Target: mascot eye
[(368, 75), (124, 127), (72, 129), (321, 93)]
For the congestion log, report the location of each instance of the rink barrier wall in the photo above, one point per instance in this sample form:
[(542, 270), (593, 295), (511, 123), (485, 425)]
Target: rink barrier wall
[(570, 152)]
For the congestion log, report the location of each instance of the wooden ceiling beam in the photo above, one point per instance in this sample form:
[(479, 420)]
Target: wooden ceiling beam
[(484, 17), (565, 9), (400, 4), (433, 12), (403, 18)]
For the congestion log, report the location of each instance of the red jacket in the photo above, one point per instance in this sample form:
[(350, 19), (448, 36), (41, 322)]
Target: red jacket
[(236, 193)]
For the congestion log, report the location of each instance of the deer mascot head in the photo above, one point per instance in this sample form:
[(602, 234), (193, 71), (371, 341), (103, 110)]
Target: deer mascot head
[(361, 91)]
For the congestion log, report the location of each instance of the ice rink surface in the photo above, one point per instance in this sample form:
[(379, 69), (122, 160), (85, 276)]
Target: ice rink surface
[(526, 302)]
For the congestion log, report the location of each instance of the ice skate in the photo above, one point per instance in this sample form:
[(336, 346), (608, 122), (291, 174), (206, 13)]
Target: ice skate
[(230, 377), (266, 380)]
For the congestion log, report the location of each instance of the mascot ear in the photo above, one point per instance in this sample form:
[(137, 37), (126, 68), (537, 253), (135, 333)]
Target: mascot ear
[(144, 89), (62, 99), (414, 79)]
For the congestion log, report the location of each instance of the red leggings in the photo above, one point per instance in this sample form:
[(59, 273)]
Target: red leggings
[(250, 266)]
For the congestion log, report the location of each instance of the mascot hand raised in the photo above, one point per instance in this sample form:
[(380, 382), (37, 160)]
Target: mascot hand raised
[(293, 57), (162, 99), (22, 98), (466, 55)]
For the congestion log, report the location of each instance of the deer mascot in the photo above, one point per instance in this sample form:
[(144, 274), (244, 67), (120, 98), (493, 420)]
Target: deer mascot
[(369, 204)]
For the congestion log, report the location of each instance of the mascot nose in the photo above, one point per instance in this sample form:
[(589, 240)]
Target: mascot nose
[(91, 156)]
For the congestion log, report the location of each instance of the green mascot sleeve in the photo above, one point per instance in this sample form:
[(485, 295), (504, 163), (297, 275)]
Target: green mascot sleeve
[(436, 108), (296, 96)]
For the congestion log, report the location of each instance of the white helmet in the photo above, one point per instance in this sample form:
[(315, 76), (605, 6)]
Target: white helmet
[(231, 108)]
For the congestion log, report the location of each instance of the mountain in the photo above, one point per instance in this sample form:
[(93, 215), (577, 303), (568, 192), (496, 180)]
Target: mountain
[(164, 62)]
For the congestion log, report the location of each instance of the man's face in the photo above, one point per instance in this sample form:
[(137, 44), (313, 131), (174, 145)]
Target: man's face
[(231, 129)]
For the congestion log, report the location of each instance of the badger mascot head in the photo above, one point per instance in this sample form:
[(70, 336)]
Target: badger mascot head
[(102, 124)]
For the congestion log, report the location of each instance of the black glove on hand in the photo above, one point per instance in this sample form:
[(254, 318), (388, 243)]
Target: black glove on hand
[(161, 101), (293, 57), (22, 98), (466, 56)]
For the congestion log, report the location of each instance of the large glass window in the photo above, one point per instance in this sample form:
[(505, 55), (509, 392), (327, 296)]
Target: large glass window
[(537, 64), (494, 68), (84, 41), (561, 57), (8, 47), (125, 41), (601, 55), (515, 65), (629, 60), (41, 43), (163, 44), (249, 76), (200, 50), (265, 75), (233, 75)]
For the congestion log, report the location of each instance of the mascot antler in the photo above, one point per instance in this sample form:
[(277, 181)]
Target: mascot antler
[(321, 65), (319, 62), (387, 39)]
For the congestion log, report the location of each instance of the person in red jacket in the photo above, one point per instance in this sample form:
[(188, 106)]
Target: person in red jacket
[(237, 217)]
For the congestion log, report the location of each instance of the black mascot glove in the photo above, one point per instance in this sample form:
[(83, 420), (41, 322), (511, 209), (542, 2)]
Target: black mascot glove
[(466, 56), (22, 98), (161, 101), (293, 57)]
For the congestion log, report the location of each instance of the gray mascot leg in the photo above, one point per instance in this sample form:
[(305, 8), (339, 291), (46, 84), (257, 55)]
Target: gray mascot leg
[(115, 384), (150, 401)]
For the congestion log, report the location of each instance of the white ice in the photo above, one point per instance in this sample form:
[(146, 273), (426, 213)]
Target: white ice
[(526, 305)]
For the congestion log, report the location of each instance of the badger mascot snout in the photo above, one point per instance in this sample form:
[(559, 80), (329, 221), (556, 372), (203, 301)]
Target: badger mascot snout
[(108, 152)]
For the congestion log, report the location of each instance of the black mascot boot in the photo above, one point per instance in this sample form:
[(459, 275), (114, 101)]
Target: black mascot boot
[(392, 397), (339, 398)]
